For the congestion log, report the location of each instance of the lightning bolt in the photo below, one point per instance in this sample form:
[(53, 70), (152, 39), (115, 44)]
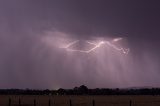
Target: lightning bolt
[(70, 44), (125, 51), (96, 45), (67, 47)]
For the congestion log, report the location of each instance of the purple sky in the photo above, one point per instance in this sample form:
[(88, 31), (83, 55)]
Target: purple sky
[(31, 30)]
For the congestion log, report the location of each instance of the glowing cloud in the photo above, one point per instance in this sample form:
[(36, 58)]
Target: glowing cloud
[(117, 39)]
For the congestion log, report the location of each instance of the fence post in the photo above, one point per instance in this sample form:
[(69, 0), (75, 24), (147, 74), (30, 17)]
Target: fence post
[(130, 103), (70, 102), (9, 104), (34, 102), (49, 102), (93, 102), (19, 102)]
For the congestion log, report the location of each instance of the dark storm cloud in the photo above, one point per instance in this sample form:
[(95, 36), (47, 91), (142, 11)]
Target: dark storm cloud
[(25, 61)]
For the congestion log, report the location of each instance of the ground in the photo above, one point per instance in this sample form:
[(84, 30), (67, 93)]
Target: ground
[(80, 100)]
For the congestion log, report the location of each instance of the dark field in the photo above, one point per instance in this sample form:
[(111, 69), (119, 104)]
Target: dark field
[(79, 100)]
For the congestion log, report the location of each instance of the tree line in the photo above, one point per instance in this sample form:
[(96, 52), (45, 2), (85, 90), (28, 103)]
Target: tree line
[(83, 90)]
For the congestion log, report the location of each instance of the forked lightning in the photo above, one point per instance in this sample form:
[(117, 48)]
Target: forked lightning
[(97, 45)]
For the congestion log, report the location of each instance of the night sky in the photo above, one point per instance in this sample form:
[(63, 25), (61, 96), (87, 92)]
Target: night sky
[(31, 32)]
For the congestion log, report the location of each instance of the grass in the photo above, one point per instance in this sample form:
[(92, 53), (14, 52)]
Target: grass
[(80, 100)]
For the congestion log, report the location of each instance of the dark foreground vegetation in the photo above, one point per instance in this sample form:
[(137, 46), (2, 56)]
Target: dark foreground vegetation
[(83, 90)]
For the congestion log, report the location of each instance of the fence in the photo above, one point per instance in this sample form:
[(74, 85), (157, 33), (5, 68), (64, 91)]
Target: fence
[(50, 103), (92, 103)]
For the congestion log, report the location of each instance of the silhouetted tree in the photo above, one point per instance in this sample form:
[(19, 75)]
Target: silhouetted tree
[(83, 89), (61, 91)]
